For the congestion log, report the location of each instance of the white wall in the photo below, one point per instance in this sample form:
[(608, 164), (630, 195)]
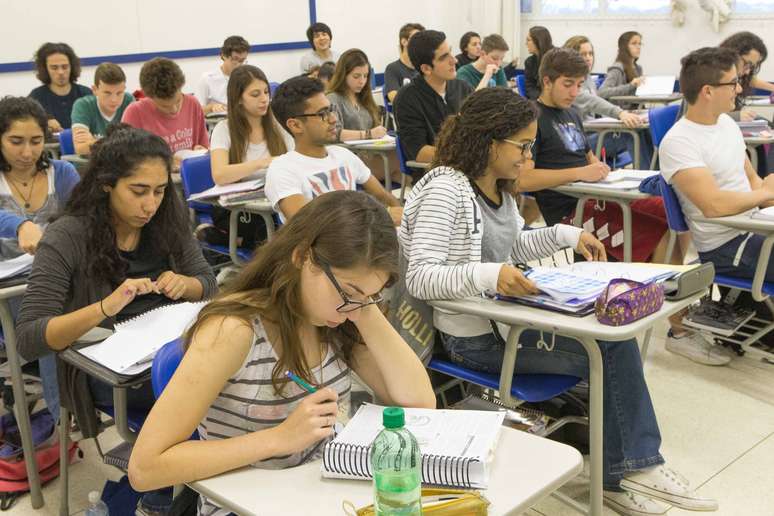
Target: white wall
[(663, 43), (369, 25)]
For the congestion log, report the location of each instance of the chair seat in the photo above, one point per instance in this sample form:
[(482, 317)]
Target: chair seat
[(135, 418), (742, 283), (527, 387)]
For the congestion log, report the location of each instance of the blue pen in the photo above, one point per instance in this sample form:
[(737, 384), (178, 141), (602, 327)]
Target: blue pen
[(300, 382)]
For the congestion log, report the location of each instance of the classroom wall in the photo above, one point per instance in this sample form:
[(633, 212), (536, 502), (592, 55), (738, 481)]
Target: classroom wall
[(663, 43), (370, 25)]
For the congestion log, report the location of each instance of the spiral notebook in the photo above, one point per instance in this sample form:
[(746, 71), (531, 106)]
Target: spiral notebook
[(132, 347), (457, 446)]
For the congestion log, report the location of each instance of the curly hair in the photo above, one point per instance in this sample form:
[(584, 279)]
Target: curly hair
[(161, 78), (233, 44), (48, 49), (114, 157), (290, 98), (23, 108), (486, 115), (742, 43)]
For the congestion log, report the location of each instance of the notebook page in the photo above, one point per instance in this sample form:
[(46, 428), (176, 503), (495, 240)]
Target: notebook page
[(15, 266), (657, 85)]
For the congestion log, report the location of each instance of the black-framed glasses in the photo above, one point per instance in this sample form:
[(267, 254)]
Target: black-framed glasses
[(733, 83), (526, 147), (324, 114), (754, 68), (349, 305)]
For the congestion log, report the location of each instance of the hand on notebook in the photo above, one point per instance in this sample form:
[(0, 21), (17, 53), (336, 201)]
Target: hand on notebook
[(594, 172), (637, 81), (310, 422), (511, 282), (378, 132), (125, 294), (591, 248), (746, 115), (29, 235), (171, 285)]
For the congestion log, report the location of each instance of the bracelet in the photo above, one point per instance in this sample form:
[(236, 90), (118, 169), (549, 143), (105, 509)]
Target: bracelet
[(103, 311)]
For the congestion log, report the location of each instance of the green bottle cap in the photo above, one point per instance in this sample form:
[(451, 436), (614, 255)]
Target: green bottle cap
[(393, 417)]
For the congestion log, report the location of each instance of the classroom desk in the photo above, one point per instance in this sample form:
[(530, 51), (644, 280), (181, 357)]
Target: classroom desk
[(752, 143), (623, 198), (587, 330), (53, 148), (260, 207), (526, 468), (212, 119), (20, 409), (641, 100), (605, 127), (383, 150)]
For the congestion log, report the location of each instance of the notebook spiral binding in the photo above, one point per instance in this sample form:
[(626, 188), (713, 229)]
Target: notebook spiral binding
[(131, 320), (354, 460)]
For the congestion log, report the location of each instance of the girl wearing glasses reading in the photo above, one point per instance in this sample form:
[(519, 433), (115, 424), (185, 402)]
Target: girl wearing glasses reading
[(461, 234), (306, 304)]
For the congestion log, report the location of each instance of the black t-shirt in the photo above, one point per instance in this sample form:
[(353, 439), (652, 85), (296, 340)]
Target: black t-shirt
[(560, 143), (396, 75), (59, 106), (144, 263), (463, 59)]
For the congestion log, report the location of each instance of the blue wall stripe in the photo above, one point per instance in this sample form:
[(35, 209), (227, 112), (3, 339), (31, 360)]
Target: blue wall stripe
[(24, 66)]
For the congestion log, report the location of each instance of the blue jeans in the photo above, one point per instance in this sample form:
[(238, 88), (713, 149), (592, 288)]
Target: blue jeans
[(630, 437), (727, 263)]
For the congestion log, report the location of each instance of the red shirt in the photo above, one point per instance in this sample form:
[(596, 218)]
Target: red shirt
[(182, 131)]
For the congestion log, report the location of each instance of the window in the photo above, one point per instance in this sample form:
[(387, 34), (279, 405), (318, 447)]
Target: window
[(526, 6), (638, 7), (754, 6), (559, 7)]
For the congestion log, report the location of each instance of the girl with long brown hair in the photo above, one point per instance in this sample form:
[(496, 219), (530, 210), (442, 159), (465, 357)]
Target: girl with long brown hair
[(625, 75), (538, 43), (307, 303)]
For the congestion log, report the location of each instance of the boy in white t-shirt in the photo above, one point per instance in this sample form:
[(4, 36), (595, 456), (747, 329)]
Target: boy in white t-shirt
[(315, 167), (211, 90), (703, 157)]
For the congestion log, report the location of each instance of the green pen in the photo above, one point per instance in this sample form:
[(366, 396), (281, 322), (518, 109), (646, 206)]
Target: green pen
[(300, 382)]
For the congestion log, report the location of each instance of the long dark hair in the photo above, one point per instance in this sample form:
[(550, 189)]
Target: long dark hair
[(542, 40), (116, 156), (486, 115), (238, 124), (341, 229), (742, 43), (348, 61), (625, 57), (48, 49), (23, 108)]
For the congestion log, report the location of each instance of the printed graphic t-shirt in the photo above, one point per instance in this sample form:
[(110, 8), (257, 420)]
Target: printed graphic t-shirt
[(182, 131)]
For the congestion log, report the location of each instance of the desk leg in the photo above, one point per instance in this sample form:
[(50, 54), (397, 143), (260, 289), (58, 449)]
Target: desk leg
[(269, 221), (387, 172), (753, 157), (645, 344), (20, 409), (579, 207), (233, 229), (760, 268), (600, 141), (120, 415), (626, 211), (636, 157), (64, 461), (509, 364), (595, 424)]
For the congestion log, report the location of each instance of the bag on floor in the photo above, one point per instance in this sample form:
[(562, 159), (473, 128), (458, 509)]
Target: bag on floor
[(13, 469)]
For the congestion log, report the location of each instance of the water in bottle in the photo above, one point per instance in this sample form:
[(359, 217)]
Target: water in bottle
[(96, 506), (396, 465)]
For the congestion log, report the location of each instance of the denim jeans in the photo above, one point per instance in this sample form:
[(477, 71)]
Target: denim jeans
[(630, 437), (728, 263)]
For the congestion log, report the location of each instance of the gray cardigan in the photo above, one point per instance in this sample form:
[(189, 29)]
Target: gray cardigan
[(589, 103), (615, 81), (59, 283), (349, 116)]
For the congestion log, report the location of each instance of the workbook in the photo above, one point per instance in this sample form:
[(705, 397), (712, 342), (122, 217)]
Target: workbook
[(135, 342), (457, 446)]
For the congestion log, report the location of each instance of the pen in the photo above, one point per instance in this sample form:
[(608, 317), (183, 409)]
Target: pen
[(301, 383), (604, 158)]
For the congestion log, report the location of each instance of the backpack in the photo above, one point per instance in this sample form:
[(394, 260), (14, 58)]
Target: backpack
[(13, 469)]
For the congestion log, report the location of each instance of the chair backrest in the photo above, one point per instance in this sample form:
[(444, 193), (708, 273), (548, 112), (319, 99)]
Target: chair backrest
[(387, 103), (66, 145), (674, 212), (600, 79), (661, 120), (164, 365), (401, 157), (196, 176), (273, 87), (521, 83)]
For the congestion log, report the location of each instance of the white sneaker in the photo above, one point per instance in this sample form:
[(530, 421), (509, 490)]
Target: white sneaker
[(693, 346), (632, 504), (665, 484)]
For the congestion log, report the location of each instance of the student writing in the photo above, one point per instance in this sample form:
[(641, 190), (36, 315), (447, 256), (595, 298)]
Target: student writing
[(211, 90)]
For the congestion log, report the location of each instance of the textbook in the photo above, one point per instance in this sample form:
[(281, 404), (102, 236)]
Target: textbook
[(15, 266), (135, 342), (220, 190), (457, 446)]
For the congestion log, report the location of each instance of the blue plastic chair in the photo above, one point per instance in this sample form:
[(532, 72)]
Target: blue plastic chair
[(196, 176), (521, 84), (66, 145), (661, 121), (273, 87), (164, 365), (600, 78), (405, 171)]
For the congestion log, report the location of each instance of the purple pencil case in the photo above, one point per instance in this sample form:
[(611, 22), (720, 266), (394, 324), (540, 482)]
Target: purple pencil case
[(625, 301)]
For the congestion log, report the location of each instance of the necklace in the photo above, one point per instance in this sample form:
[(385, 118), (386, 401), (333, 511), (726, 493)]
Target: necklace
[(26, 198)]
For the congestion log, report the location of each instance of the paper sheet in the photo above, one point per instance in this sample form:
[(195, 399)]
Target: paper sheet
[(15, 266), (656, 85)]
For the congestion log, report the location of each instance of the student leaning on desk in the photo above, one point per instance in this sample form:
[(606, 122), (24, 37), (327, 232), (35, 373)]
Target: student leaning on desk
[(461, 234), (307, 303)]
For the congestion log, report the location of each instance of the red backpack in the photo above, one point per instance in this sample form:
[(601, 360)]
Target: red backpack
[(13, 470)]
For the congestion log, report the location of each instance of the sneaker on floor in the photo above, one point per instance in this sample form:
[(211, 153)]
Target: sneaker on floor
[(632, 504), (693, 346), (662, 483)]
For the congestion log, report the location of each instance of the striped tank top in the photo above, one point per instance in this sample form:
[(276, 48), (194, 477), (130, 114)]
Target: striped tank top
[(248, 403)]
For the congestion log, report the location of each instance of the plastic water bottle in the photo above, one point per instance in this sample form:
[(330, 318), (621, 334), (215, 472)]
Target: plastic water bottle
[(492, 82), (396, 464), (96, 506)]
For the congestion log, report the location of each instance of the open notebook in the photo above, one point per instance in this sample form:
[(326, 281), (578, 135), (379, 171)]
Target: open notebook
[(457, 445), (132, 347)]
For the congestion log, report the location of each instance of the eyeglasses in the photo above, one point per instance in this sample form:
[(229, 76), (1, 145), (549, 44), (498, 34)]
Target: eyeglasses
[(752, 67), (324, 114), (526, 148), (349, 305), (733, 83)]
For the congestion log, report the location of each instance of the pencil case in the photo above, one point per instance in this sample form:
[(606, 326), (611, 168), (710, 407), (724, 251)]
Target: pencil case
[(439, 502), (624, 301)]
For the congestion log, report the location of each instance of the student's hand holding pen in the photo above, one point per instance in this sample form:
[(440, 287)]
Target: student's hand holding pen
[(311, 421), (512, 282), (125, 294)]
